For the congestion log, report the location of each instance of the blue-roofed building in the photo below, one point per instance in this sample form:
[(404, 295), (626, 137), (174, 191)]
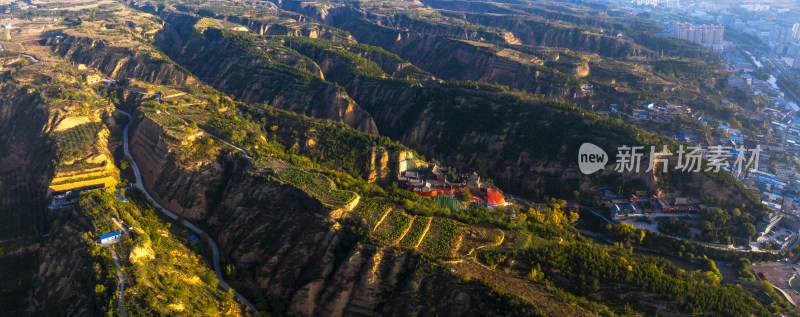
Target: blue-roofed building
[(685, 136), (111, 237), (121, 197), (648, 105), (193, 239), (723, 127)]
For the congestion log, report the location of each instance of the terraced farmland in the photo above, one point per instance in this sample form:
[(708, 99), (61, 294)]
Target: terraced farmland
[(163, 118), (480, 236), (372, 210), (317, 185), (519, 240), (72, 143), (414, 234), (393, 226), (442, 238)]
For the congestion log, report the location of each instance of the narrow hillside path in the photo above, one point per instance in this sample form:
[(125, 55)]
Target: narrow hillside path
[(121, 282), (31, 57), (493, 244), (124, 230), (214, 249)]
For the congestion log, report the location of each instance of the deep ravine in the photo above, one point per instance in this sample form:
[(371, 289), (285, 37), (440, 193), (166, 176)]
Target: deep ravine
[(214, 249)]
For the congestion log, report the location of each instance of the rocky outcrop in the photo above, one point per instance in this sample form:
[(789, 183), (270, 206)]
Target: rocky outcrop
[(455, 29), (304, 29), (380, 170), (175, 186), (386, 165), (120, 61)]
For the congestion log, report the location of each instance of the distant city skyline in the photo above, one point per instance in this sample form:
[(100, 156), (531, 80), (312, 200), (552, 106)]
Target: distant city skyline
[(701, 34)]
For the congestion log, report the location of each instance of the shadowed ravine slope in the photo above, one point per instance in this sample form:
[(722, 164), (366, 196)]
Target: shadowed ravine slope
[(526, 142)]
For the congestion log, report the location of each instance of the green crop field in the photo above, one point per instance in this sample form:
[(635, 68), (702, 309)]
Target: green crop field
[(372, 210), (393, 227), (448, 202), (480, 236), (207, 23), (414, 234), (442, 237), (73, 143), (317, 185), (163, 118)]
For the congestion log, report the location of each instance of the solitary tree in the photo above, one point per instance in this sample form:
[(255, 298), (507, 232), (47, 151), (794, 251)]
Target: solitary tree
[(466, 196)]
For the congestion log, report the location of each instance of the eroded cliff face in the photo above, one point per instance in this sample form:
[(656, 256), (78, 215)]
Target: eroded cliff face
[(119, 61), (457, 59), (63, 276), (299, 251), (319, 267), (175, 186), (447, 29), (542, 33), (25, 156), (247, 73), (23, 118), (304, 28)]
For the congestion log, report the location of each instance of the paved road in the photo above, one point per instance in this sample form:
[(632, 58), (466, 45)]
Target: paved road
[(777, 69), (31, 58), (246, 155), (593, 212), (214, 249), (158, 99)]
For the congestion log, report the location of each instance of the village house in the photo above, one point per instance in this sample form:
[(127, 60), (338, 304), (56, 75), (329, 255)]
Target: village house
[(110, 238), (433, 181)]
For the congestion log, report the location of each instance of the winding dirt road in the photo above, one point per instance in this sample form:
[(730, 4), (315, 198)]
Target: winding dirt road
[(214, 249), (121, 283)]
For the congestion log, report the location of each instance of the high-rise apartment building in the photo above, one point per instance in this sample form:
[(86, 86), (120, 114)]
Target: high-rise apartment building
[(796, 64), (780, 35), (703, 34), (796, 32)]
